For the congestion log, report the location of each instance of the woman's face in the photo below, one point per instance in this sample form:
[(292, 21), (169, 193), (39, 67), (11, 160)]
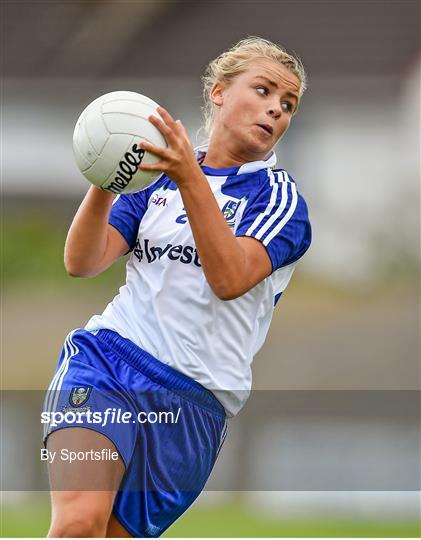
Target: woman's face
[(256, 108)]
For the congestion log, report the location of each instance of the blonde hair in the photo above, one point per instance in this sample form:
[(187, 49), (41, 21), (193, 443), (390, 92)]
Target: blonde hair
[(231, 63)]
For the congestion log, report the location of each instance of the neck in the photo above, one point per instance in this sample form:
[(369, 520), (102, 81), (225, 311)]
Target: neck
[(215, 160)]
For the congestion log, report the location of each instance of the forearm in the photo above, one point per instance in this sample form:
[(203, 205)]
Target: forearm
[(87, 237), (231, 265), (222, 257)]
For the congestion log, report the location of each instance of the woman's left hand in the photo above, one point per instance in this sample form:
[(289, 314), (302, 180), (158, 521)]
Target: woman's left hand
[(177, 161)]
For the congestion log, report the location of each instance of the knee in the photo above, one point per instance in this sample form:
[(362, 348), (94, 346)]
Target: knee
[(81, 525)]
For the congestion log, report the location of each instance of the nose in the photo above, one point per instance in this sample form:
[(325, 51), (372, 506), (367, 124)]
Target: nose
[(275, 110)]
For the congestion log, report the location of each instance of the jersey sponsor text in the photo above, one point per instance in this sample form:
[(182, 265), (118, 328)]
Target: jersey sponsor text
[(183, 254)]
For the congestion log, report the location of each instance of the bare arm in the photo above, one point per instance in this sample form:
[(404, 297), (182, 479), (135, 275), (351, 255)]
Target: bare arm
[(232, 265), (92, 245)]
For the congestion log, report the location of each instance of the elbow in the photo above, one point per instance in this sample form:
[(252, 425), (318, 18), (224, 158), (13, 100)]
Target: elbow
[(225, 297), (76, 271), (230, 287), (71, 267), (80, 274), (226, 292), (73, 272)]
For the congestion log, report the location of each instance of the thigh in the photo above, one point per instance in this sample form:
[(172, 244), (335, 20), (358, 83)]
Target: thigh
[(116, 530), (82, 490), (80, 460)]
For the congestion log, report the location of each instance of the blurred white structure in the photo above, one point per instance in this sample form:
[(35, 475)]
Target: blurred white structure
[(353, 149)]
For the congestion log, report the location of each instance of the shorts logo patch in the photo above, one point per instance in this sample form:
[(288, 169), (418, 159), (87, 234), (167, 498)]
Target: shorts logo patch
[(80, 395)]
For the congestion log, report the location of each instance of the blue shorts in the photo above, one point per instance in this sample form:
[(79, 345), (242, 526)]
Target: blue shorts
[(168, 457)]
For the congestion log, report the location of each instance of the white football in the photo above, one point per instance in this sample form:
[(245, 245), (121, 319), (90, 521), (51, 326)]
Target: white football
[(106, 139)]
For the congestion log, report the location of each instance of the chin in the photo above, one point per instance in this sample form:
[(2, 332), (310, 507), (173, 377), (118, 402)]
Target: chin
[(251, 146), (257, 147)]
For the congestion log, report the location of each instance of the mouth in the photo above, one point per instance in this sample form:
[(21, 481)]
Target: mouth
[(267, 128)]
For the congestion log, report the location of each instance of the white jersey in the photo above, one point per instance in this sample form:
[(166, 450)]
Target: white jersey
[(167, 307)]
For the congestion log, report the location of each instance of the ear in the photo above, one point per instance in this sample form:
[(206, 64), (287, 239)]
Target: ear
[(217, 94)]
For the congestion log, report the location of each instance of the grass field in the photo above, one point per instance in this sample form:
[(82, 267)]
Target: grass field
[(230, 520)]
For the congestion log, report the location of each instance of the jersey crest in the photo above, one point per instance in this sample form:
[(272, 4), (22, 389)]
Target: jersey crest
[(230, 209)]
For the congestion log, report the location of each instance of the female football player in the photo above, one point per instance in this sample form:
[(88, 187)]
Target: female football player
[(213, 244)]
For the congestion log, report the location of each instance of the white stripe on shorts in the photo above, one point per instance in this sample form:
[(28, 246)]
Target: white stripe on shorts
[(223, 436), (54, 389), (53, 383)]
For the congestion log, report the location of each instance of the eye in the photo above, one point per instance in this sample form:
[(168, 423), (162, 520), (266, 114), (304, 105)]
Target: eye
[(287, 106), (262, 90)]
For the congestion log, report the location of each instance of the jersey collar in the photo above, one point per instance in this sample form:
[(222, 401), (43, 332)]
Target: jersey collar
[(246, 168)]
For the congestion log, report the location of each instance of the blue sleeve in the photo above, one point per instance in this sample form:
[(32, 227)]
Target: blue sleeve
[(126, 214), (277, 216)]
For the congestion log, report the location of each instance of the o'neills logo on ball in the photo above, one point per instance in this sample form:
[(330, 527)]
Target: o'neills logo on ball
[(127, 168)]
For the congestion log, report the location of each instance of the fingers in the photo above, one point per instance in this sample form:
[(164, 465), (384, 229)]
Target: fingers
[(178, 148), (156, 150), (166, 124), (183, 129), (160, 166), (165, 115), (162, 126)]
